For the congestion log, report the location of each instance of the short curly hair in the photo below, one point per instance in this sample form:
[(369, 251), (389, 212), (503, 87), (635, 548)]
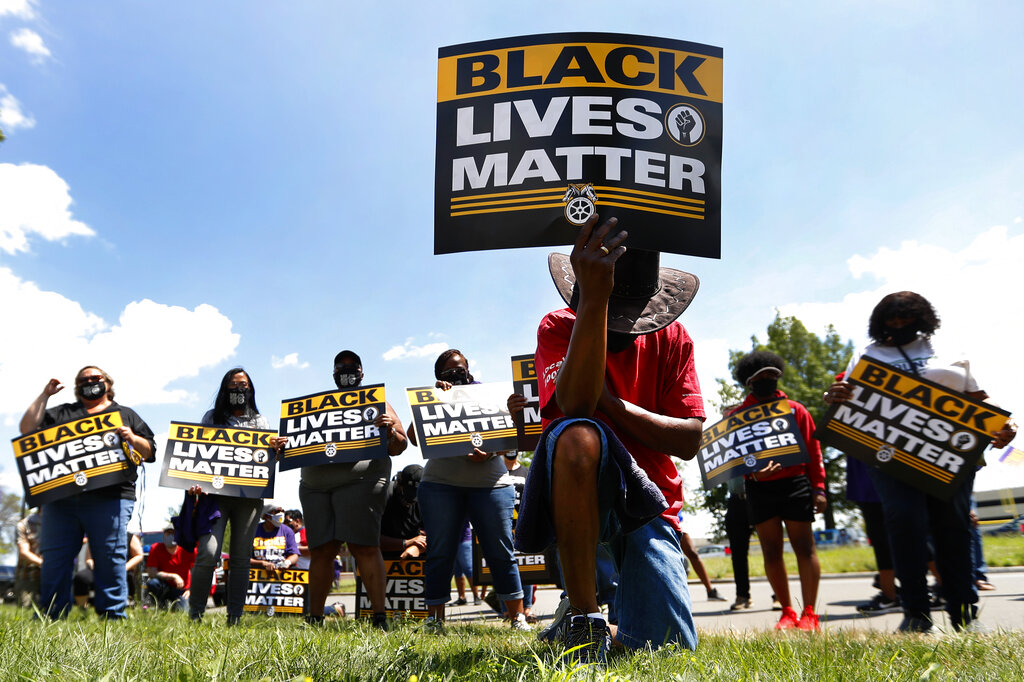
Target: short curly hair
[(903, 304), (755, 361)]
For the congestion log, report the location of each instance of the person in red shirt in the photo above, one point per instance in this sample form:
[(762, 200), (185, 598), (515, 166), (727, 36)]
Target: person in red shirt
[(170, 570), (790, 495), (619, 367)]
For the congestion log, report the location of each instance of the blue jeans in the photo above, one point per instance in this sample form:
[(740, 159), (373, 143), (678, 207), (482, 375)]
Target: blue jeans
[(64, 523), (444, 509), (165, 595), (977, 554), (911, 516), (464, 560), (652, 600)]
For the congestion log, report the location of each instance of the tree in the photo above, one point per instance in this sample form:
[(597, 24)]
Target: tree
[(812, 364), (10, 514)]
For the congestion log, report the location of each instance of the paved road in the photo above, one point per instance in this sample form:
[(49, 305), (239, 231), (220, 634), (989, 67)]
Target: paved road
[(838, 598)]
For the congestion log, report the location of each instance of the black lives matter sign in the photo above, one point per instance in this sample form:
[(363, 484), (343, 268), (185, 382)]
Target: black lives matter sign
[(537, 133), (226, 461), (912, 429), (454, 422), (281, 592), (335, 426), (404, 590), (524, 382), (64, 460), (747, 440)]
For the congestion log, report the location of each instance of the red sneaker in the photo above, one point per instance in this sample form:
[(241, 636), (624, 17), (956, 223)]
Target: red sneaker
[(788, 621), (808, 620)]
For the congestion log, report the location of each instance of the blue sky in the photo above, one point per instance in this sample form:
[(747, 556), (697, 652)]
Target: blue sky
[(188, 186)]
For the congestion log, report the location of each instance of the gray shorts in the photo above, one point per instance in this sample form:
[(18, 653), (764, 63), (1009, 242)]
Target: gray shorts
[(348, 511)]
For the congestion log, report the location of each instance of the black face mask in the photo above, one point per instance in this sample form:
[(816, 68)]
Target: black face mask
[(348, 378), (93, 391), (900, 336), (456, 376), (764, 388), (619, 342), (239, 397)]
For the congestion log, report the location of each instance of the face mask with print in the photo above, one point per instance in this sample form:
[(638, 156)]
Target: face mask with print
[(239, 397), (348, 378), (93, 391), (277, 519)]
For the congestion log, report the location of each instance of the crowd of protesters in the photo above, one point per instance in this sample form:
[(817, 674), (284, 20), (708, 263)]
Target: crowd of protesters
[(619, 398)]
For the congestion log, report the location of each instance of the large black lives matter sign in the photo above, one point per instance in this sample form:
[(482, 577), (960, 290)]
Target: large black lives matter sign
[(537, 133), (524, 382), (221, 460), (281, 592), (453, 423), (746, 440), (336, 426), (912, 429), (404, 590)]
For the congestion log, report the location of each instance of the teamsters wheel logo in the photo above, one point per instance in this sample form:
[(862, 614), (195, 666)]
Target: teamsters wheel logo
[(750, 461), (110, 438), (330, 450), (963, 440), (580, 203), (884, 454), (477, 440), (217, 482), (270, 610), (81, 479)]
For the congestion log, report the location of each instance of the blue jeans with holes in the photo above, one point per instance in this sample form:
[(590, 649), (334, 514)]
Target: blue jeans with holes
[(444, 509), (652, 600), (64, 523)]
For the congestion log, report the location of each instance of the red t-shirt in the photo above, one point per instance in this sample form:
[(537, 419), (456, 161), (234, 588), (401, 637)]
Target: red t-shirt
[(180, 562), (815, 467), (656, 373)]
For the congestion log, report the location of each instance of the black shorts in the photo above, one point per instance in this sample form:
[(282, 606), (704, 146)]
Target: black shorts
[(790, 499)]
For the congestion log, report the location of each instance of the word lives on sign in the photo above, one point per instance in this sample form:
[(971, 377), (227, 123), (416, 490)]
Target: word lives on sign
[(64, 460), (404, 590), (226, 461), (524, 382), (462, 419), (747, 440), (536, 134), (336, 426), (913, 429), (281, 592)]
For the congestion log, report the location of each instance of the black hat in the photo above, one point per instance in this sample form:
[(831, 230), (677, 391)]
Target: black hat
[(345, 355), (645, 297)]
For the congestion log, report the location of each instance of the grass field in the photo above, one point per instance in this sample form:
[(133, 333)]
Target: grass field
[(161, 646)]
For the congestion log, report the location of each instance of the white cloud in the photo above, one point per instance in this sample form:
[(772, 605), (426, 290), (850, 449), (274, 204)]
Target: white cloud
[(18, 8), (150, 346), (34, 200), (977, 293), (31, 42), (290, 360), (409, 350), (11, 116)]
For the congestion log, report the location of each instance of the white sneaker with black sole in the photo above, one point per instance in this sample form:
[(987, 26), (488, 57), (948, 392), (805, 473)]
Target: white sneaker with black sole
[(880, 604)]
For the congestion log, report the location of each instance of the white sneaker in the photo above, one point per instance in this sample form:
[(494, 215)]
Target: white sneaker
[(520, 623)]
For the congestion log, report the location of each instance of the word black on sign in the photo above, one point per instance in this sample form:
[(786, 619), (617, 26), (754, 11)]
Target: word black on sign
[(524, 382), (281, 592), (404, 591), (336, 426), (745, 441), (535, 134), (455, 422), (226, 461), (911, 428), (64, 460)]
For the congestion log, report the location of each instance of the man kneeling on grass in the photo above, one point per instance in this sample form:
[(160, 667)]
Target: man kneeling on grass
[(616, 374)]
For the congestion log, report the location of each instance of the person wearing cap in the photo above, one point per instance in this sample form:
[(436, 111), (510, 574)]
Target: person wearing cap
[(273, 546), (619, 398), (169, 567), (901, 326), (401, 526), (791, 495), (293, 518), (101, 514), (343, 502)]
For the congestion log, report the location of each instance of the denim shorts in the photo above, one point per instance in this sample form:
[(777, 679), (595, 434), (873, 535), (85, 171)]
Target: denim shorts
[(652, 600)]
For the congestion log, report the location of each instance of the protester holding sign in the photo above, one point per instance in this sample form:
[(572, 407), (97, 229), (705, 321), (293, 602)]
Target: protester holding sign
[(620, 369), (790, 495), (101, 514), (901, 328), (235, 407), (343, 502), (476, 486)]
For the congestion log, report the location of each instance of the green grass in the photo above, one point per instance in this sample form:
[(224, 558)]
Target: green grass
[(999, 551), (161, 646)]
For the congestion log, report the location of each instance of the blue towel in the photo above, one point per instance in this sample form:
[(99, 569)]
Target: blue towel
[(639, 500)]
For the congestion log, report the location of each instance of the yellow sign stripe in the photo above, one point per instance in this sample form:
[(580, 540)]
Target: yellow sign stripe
[(510, 193), (650, 209), (348, 445), (611, 195), (464, 437), (232, 480), (534, 428), (767, 454), (654, 195), (557, 196), (906, 458), (531, 207), (69, 478)]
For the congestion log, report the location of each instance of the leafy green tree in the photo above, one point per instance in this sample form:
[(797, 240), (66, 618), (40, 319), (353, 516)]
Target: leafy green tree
[(812, 362)]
